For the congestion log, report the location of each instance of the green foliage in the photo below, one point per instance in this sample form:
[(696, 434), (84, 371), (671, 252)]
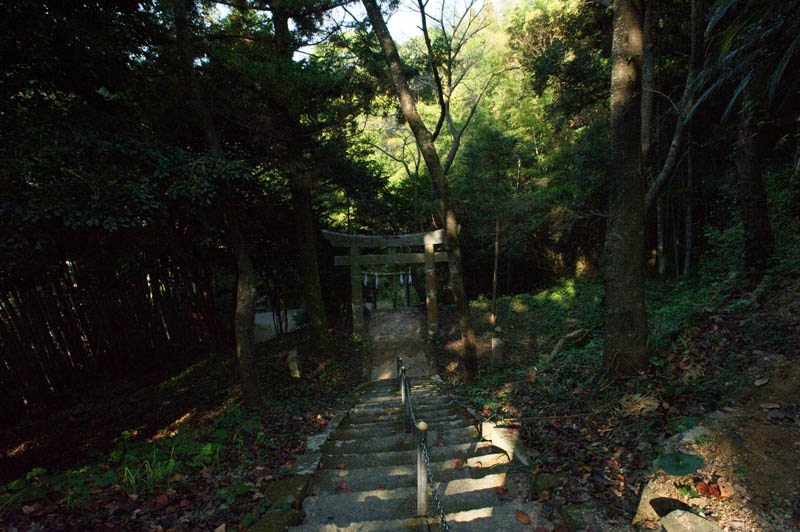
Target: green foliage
[(679, 464), (686, 423), (564, 48), (688, 491)]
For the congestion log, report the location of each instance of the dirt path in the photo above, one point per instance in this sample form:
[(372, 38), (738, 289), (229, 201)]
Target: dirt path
[(394, 333)]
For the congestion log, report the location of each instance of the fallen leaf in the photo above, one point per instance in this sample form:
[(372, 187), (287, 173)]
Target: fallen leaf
[(177, 477), (523, 518), (205, 472), (725, 489), (185, 503), (761, 382), (701, 488), (221, 528), (478, 465), (343, 488), (382, 487), (162, 500), (341, 465), (713, 490), (457, 464)]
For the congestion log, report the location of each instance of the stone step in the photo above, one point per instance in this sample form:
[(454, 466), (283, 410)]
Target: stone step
[(368, 430), (420, 410), (456, 496), (390, 477), (415, 524), (392, 392), (400, 441), (501, 518), (395, 402), (449, 452), (381, 422)]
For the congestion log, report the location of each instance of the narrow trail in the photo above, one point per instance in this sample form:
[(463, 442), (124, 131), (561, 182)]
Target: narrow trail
[(366, 477)]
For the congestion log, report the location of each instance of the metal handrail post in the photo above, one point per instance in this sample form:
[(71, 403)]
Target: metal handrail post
[(399, 365), (407, 388), (403, 397), (422, 477)]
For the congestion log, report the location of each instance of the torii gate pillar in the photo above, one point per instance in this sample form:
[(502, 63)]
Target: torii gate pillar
[(356, 260)]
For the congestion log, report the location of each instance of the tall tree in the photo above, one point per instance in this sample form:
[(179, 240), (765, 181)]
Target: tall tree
[(184, 12), (439, 178), (299, 169), (623, 254)]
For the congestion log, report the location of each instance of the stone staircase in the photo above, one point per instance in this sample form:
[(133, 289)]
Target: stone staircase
[(366, 478)]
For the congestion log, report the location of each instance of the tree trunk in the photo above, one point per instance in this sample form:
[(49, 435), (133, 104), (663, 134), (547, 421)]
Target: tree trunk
[(244, 313), (493, 317), (625, 350), (688, 230), (301, 183), (692, 185), (794, 184), (757, 247), (438, 177), (648, 88)]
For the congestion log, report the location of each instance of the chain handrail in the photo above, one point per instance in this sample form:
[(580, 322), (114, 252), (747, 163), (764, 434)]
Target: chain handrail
[(421, 437)]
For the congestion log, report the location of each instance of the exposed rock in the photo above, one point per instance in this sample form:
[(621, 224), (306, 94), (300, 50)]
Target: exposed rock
[(683, 521), (685, 440), (659, 497), (777, 415)]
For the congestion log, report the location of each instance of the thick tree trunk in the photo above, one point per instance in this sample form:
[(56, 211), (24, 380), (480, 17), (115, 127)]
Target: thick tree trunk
[(301, 184), (648, 88), (244, 313), (439, 179), (757, 247), (625, 350)]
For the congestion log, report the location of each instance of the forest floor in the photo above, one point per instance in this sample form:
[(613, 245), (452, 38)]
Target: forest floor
[(175, 449), (170, 450), (724, 357)]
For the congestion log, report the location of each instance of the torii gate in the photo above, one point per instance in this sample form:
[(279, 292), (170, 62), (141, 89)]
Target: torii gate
[(390, 242)]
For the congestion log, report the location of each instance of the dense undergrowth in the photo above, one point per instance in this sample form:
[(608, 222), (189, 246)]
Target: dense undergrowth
[(189, 455)]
